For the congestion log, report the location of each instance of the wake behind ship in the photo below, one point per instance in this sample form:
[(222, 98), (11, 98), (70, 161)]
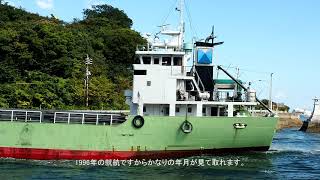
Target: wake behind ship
[(176, 110)]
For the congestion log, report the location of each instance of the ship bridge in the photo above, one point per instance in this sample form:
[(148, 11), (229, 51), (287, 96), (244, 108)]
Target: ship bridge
[(164, 84), (175, 78)]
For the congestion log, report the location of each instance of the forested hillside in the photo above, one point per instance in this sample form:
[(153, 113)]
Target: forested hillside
[(42, 59)]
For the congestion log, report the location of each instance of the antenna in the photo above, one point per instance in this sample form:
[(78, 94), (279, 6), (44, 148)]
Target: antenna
[(211, 37), (163, 25), (177, 35), (181, 28), (212, 33), (181, 10)]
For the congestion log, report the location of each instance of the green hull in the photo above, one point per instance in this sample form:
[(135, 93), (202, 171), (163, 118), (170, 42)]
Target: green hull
[(158, 134)]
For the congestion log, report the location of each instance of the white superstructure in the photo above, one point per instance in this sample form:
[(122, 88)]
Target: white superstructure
[(164, 85)]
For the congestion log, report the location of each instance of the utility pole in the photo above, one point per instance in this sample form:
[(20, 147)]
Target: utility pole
[(88, 73), (238, 74), (270, 93)]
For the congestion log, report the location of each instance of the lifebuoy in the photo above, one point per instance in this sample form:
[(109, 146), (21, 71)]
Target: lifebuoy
[(138, 121), (186, 127)]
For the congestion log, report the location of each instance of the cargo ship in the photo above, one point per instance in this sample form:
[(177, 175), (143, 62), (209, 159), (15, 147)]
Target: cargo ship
[(179, 107)]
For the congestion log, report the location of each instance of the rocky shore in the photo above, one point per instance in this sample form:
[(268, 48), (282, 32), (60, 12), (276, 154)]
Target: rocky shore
[(285, 122), (313, 128), (288, 120)]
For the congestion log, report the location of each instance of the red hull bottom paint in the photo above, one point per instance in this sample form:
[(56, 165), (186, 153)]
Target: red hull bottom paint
[(55, 154)]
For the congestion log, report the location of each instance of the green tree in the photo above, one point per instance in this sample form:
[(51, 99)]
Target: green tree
[(42, 59), (106, 14)]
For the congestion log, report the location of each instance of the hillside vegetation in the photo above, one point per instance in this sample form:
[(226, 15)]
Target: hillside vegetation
[(42, 59)]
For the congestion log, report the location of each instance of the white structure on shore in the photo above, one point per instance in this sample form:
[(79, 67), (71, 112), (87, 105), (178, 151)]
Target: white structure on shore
[(314, 116)]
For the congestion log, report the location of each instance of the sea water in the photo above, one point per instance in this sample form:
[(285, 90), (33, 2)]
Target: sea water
[(293, 155)]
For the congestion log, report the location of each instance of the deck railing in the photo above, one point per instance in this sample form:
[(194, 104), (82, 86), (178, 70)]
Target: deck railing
[(67, 117), (20, 115)]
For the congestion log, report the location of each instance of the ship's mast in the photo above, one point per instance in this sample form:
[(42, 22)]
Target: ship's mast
[(177, 35), (181, 26)]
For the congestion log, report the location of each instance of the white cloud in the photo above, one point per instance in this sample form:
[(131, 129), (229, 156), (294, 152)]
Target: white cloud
[(45, 4)]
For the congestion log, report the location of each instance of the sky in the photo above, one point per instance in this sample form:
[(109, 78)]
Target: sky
[(260, 37)]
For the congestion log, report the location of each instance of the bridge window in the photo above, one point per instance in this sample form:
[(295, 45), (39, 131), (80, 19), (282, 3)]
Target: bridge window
[(146, 60), (177, 61), (166, 61), (137, 60), (140, 72), (204, 110), (156, 60)]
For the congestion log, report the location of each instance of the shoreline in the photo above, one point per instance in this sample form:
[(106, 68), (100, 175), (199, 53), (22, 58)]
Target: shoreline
[(284, 123), (288, 120)]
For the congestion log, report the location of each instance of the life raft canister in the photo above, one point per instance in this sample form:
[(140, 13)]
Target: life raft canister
[(186, 127), (138, 121)]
